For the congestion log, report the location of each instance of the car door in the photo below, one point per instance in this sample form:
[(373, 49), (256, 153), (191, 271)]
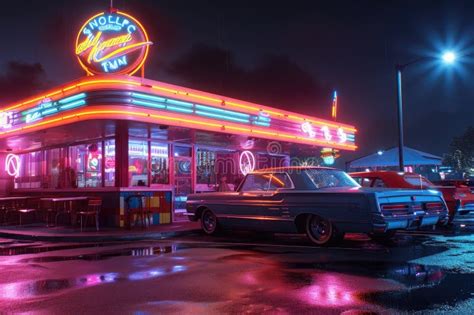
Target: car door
[(275, 212), (245, 208)]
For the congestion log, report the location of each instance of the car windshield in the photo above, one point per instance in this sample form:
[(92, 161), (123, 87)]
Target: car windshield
[(323, 178)]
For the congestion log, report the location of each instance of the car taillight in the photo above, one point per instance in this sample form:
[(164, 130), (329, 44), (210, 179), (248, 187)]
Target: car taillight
[(394, 209), (434, 206)]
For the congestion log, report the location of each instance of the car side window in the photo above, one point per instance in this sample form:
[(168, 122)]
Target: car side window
[(266, 182), (379, 183), (256, 182), (280, 181)]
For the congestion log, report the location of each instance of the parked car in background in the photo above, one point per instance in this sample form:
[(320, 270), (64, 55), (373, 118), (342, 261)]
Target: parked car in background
[(456, 198), (324, 203), (463, 193)]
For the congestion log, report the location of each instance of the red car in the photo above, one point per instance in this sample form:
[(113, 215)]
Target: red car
[(464, 193), (459, 200)]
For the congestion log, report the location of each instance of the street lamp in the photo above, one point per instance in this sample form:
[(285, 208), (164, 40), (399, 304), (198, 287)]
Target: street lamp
[(448, 57)]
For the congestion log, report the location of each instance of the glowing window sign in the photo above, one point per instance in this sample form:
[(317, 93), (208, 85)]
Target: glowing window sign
[(112, 42), (247, 162), (12, 165), (6, 120)]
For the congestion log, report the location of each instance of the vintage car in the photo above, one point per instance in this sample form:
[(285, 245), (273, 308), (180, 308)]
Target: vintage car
[(462, 192), (324, 203), (458, 197)]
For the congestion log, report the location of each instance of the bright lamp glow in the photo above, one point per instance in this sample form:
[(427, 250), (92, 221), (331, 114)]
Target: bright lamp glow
[(449, 57)]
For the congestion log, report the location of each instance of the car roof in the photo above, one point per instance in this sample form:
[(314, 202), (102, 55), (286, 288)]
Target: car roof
[(382, 173), (291, 168)]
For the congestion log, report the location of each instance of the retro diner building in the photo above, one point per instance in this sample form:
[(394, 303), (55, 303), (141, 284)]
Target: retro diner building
[(111, 134)]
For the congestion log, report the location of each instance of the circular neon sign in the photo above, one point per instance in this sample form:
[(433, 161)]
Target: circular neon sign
[(12, 165), (112, 42), (247, 162)]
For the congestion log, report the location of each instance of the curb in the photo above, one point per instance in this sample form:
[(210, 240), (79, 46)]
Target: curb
[(98, 238)]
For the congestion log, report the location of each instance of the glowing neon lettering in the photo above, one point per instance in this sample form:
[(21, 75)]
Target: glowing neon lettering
[(112, 43), (342, 135), (12, 165), (326, 133), (308, 129), (6, 120), (32, 117)]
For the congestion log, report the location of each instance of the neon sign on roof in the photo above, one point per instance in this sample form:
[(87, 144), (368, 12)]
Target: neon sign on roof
[(112, 42)]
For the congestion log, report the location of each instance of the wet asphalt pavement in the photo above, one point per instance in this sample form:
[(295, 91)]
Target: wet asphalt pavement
[(419, 272)]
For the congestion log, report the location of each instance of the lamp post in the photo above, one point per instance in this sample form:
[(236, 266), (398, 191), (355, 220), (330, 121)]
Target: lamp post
[(448, 58)]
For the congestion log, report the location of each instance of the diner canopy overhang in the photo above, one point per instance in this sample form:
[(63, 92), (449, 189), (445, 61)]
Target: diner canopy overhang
[(123, 97)]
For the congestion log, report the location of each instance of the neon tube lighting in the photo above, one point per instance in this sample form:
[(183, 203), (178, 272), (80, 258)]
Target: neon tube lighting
[(130, 82), (221, 111), (179, 109), (49, 111), (72, 98), (180, 103), (221, 117), (184, 121), (149, 97), (73, 104), (148, 104)]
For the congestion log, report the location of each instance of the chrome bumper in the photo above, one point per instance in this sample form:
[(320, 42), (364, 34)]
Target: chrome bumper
[(409, 222)]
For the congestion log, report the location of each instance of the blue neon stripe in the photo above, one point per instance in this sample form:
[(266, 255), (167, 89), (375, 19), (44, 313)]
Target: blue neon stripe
[(31, 110), (179, 103), (222, 117), (221, 111), (263, 118), (72, 98), (149, 97), (73, 104), (49, 111), (148, 104), (179, 109), (265, 124)]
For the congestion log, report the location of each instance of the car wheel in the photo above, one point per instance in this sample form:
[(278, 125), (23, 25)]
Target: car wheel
[(209, 222), (383, 237), (319, 230)]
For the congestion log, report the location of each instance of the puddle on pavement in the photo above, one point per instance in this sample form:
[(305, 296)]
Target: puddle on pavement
[(420, 287), (38, 248), (136, 252), (30, 289)]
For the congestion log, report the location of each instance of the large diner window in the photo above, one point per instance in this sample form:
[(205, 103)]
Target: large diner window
[(74, 166), (138, 163), (55, 166), (30, 175), (160, 169), (85, 168)]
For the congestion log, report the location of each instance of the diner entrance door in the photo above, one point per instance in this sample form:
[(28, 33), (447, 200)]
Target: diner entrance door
[(183, 184)]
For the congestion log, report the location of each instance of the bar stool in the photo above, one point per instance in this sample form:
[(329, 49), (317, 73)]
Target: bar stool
[(135, 207), (93, 209)]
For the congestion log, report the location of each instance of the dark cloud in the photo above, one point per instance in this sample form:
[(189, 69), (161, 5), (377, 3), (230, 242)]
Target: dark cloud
[(20, 79), (274, 80)]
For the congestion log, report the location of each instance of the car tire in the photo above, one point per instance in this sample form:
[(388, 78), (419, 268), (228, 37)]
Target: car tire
[(383, 237), (321, 231), (209, 222)]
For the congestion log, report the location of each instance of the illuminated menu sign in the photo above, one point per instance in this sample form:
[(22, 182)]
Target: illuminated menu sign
[(112, 42)]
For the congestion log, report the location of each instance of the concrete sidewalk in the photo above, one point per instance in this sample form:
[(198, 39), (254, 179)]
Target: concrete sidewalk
[(38, 232)]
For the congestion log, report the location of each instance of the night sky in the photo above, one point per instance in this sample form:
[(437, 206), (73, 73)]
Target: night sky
[(289, 55)]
